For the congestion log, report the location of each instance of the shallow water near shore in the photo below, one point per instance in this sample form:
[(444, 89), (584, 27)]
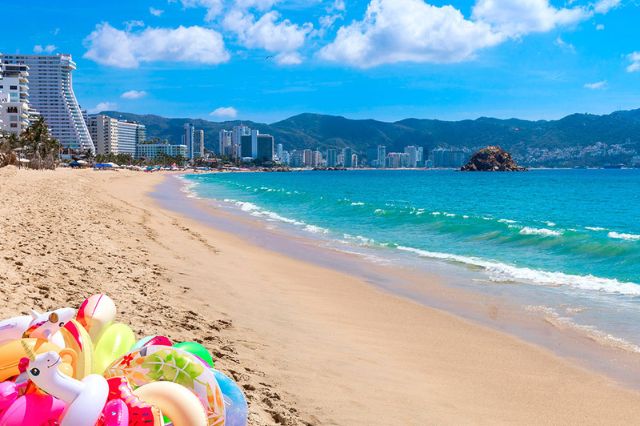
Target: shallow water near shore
[(559, 311)]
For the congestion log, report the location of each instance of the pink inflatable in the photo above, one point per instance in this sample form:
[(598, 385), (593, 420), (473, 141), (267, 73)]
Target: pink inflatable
[(115, 413), (31, 409)]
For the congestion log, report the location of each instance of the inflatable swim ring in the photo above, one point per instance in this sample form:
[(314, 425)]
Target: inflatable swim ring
[(163, 363)]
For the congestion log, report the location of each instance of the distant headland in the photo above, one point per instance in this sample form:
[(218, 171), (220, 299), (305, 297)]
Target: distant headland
[(578, 140)]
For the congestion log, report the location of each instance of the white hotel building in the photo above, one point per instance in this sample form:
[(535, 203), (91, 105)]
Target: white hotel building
[(51, 95), (113, 136), (14, 98)]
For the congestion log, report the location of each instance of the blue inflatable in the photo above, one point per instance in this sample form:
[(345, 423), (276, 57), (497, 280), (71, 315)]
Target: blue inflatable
[(235, 404)]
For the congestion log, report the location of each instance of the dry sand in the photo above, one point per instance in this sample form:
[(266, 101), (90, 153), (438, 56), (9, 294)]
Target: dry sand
[(308, 344)]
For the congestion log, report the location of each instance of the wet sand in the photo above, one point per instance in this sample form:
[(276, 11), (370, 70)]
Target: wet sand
[(309, 344)]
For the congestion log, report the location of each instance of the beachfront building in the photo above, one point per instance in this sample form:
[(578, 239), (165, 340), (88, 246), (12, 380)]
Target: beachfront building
[(398, 160), (246, 147), (225, 143), (286, 158), (199, 144), (15, 112), (448, 158), (113, 136), (295, 158), (130, 135), (307, 158), (104, 133), (256, 146), (412, 152), (382, 156), (188, 139), (236, 139), (347, 157), (155, 150), (51, 95), (316, 159), (332, 157), (264, 148)]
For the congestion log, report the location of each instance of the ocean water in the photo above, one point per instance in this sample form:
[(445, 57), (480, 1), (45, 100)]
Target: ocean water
[(568, 240)]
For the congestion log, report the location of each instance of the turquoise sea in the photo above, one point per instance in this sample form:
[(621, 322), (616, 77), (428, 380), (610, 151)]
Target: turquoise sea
[(574, 235)]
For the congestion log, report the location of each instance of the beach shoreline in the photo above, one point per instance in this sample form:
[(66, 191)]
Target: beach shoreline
[(450, 287), (309, 344)]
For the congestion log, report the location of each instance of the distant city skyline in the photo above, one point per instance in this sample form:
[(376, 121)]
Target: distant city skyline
[(267, 60)]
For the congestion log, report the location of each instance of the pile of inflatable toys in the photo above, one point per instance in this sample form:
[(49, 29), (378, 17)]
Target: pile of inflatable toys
[(80, 368)]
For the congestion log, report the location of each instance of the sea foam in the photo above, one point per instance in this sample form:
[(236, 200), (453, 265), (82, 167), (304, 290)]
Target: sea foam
[(540, 231), (501, 272), (622, 236)]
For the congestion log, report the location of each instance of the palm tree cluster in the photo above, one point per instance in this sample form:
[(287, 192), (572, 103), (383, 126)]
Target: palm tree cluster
[(34, 144)]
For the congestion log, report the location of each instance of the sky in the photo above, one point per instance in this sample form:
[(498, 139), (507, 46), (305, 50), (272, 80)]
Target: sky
[(266, 60)]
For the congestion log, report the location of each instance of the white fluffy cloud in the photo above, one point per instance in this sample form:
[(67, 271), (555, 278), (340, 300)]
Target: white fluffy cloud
[(289, 58), (634, 59), (155, 12), (268, 32), (49, 48), (134, 94), (225, 112), (103, 106), (416, 31), (256, 4), (126, 49), (596, 85), (564, 45), (216, 7), (409, 30), (516, 18), (604, 6)]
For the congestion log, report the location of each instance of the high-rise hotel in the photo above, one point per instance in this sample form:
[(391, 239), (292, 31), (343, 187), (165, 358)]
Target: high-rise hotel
[(51, 95), (15, 112), (113, 136)]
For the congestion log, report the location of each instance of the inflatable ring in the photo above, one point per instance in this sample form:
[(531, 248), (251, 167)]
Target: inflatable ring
[(164, 363), (175, 402), (11, 353)]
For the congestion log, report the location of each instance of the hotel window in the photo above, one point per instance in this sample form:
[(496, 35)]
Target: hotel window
[(13, 87)]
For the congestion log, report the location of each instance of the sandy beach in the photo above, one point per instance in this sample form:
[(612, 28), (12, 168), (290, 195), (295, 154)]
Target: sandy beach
[(309, 344)]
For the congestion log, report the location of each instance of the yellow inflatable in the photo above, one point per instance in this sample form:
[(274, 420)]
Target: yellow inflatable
[(175, 401), (78, 343), (114, 342), (11, 353)]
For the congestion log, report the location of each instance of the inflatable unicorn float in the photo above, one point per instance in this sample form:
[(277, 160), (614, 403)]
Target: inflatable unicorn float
[(45, 326), (82, 369)]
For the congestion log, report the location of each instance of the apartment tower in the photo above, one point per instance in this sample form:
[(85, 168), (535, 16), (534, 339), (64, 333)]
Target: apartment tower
[(51, 95)]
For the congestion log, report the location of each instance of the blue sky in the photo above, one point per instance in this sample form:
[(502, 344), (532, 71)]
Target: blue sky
[(265, 60)]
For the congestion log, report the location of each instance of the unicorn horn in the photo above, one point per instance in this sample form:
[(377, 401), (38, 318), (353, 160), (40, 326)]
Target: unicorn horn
[(28, 350)]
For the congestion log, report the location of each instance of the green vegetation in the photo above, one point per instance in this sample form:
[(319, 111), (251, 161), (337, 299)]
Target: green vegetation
[(34, 148), (578, 139)]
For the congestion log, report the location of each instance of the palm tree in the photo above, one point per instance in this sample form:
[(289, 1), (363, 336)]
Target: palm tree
[(40, 148)]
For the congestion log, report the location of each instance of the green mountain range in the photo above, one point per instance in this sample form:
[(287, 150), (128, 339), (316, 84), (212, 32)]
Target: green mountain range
[(575, 140)]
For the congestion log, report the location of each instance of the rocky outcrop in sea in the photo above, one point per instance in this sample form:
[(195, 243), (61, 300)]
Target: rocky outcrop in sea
[(492, 159)]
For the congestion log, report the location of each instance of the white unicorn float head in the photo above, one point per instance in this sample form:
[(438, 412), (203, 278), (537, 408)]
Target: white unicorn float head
[(40, 325), (85, 399)]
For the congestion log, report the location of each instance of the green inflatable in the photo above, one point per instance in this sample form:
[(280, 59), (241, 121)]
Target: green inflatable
[(198, 350)]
